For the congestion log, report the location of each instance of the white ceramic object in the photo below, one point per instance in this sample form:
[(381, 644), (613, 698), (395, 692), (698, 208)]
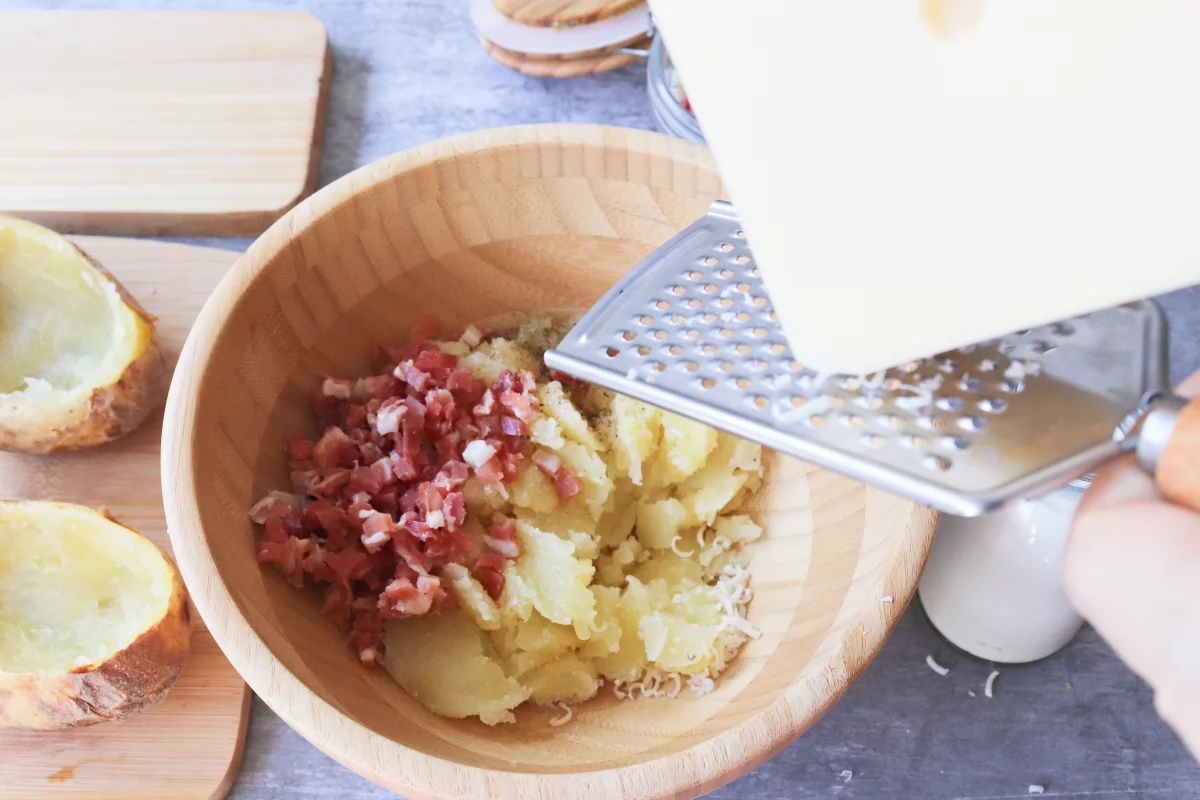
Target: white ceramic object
[(993, 584), (530, 40)]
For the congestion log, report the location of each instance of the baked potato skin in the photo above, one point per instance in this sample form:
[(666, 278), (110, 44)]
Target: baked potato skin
[(124, 684), (109, 413)]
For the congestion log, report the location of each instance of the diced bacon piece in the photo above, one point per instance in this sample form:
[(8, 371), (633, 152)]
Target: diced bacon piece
[(329, 484), (274, 505), (424, 328), (492, 582), (487, 404), (461, 380), (491, 471), (566, 380), (435, 519), (528, 381), (403, 467), (429, 498), (511, 426), (356, 417), (408, 500), (348, 565), (299, 449), (522, 406), (567, 485), (286, 556), (334, 449), (275, 531), (503, 548), (335, 606), (365, 479), (489, 426), (490, 562), (414, 377), (434, 359), (377, 531), (454, 510), (369, 656), (402, 598), (375, 387), (302, 478), (338, 388), (371, 453), (477, 453), (451, 476), (387, 418), (547, 462), (504, 531)]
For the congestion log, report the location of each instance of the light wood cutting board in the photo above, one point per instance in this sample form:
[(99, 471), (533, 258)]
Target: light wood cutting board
[(190, 745), (159, 122)]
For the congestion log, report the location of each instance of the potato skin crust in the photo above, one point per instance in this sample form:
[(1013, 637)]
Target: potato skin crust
[(122, 685), (109, 413)]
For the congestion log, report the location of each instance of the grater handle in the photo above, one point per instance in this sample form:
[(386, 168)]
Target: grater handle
[(1169, 448)]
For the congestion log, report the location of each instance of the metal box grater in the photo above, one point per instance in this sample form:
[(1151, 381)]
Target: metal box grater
[(691, 329)]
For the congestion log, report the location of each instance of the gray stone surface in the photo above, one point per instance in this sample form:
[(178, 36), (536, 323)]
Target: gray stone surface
[(1079, 723)]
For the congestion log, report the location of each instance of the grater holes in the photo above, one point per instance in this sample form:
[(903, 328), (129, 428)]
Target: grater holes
[(628, 336), (892, 384), (677, 290), (773, 316), (725, 366), (708, 349), (725, 302), (693, 303), (725, 333), (710, 261), (761, 401), (741, 383), (760, 332), (675, 350), (708, 383), (949, 403), (709, 288), (759, 301), (693, 275), (890, 421), (1041, 348), (709, 318), (974, 424), (740, 234), (969, 384), (948, 365), (742, 287), (692, 334), (677, 319), (872, 440), (661, 305), (646, 319), (1063, 329), (851, 384), (955, 443), (777, 348), (795, 366), (725, 247), (725, 274), (612, 352), (993, 405), (837, 402), (742, 348), (915, 441), (872, 403), (742, 316), (815, 421), (643, 351), (1012, 385), (659, 334), (691, 366), (754, 272), (758, 364), (936, 463), (853, 420), (657, 366), (742, 259), (987, 365), (797, 400)]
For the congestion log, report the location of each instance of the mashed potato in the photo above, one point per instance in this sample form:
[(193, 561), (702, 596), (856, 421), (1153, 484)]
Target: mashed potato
[(637, 579)]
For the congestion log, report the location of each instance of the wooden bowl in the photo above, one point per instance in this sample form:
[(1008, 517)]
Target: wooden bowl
[(528, 219)]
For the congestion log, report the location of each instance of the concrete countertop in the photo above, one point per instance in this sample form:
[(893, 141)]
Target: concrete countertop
[(1079, 723)]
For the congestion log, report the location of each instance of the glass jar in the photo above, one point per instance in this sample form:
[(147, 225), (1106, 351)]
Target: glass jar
[(667, 99), (993, 584)]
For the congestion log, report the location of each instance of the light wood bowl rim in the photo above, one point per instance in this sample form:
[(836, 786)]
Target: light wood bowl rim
[(700, 768)]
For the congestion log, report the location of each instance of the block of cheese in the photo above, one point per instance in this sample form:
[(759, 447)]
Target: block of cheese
[(916, 175)]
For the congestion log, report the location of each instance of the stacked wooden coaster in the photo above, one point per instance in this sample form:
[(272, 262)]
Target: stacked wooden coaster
[(561, 38)]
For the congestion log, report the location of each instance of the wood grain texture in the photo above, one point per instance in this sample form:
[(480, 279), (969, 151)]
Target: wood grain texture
[(531, 220), (159, 123), (563, 66), (188, 746), (562, 13)]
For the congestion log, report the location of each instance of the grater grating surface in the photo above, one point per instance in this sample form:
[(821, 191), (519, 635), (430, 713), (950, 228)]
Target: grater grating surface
[(691, 329)]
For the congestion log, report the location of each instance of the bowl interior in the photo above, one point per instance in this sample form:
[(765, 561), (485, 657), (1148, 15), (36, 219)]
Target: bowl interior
[(543, 220)]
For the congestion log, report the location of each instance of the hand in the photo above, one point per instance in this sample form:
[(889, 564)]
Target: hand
[(1132, 568)]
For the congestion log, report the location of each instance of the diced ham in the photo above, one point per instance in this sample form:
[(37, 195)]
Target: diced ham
[(334, 449), (567, 485), (492, 582), (511, 426), (387, 418), (477, 453), (275, 504), (335, 387), (547, 462)]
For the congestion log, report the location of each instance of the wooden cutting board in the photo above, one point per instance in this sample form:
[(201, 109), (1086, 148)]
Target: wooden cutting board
[(159, 122), (190, 745)]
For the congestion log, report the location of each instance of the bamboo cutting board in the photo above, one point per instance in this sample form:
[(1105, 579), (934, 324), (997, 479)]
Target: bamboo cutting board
[(190, 745), (159, 122)]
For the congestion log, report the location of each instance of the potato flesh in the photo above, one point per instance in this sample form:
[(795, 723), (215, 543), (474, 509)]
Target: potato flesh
[(611, 584), (64, 328), (75, 587)]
